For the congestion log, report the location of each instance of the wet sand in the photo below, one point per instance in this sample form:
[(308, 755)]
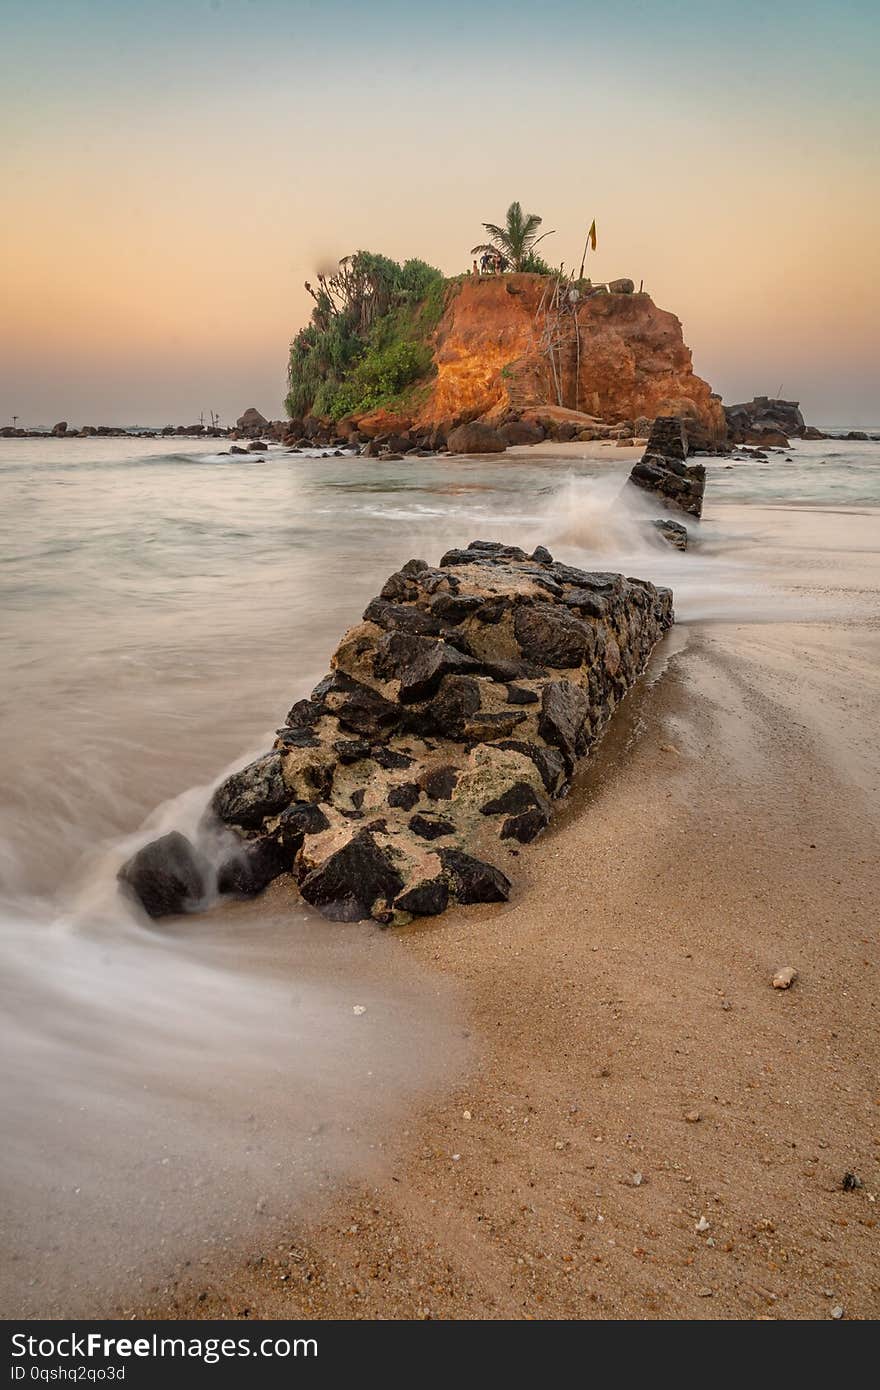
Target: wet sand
[(649, 1129)]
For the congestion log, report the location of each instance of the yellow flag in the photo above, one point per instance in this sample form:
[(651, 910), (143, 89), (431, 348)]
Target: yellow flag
[(591, 234)]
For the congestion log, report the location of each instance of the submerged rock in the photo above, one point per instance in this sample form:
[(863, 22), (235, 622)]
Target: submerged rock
[(167, 876), (453, 714), (252, 867), (673, 532)]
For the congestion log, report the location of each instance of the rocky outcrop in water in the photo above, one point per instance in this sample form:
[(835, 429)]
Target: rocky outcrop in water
[(663, 472), (672, 532), (454, 714), (764, 421)]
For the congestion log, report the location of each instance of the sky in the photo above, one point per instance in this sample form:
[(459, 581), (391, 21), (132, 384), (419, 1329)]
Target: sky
[(173, 170)]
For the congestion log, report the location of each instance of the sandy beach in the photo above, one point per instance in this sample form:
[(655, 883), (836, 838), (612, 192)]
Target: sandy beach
[(648, 1128)]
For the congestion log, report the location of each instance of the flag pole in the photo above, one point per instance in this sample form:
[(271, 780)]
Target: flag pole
[(591, 234)]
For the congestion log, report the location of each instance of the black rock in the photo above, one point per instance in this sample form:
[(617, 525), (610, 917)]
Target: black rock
[(347, 885), (253, 866), (421, 680), (399, 586), (305, 713), (441, 782), (588, 602), (552, 635), (351, 750), (168, 876), (402, 616), (548, 761), (516, 695), (367, 712), (564, 708), (471, 880), (397, 651), (526, 825), (451, 609), (301, 819), (499, 549), (668, 437), (405, 795), (390, 758), (431, 826), (601, 581), (249, 796), (457, 699), (519, 797), (541, 555), (425, 899), (301, 737)]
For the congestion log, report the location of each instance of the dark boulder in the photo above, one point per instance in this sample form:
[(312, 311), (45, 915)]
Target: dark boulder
[(429, 826), (440, 782), (168, 876), (564, 710), (552, 635), (475, 438), (421, 680), (367, 712), (350, 884), (249, 796), (425, 899), (519, 797), (527, 825), (300, 819), (252, 867), (402, 617), (404, 795), (472, 880), (457, 699)]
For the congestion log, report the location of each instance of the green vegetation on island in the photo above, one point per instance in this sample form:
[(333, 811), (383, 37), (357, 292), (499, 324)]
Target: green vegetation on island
[(367, 343), (367, 340)]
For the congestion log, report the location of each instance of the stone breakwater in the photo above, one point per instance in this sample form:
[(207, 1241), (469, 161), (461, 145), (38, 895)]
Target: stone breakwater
[(454, 714)]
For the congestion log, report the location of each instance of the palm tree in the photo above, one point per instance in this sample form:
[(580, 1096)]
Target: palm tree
[(516, 239)]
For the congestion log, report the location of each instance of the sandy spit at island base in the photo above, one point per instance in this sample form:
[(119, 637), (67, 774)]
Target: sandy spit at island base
[(649, 1129)]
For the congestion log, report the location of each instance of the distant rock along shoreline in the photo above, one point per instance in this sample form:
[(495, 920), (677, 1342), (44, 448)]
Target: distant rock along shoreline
[(762, 422)]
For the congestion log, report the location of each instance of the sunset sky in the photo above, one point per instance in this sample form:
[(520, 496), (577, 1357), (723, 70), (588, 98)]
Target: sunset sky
[(174, 169)]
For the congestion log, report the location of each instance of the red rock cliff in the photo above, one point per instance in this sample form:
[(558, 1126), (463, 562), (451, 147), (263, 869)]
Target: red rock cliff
[(616, 356)]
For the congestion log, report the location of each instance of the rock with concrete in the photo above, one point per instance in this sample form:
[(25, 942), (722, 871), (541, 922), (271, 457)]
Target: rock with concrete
[(454, 714)]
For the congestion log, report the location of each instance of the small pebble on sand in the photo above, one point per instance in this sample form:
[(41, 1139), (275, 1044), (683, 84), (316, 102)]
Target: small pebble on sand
[(785, 977)]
